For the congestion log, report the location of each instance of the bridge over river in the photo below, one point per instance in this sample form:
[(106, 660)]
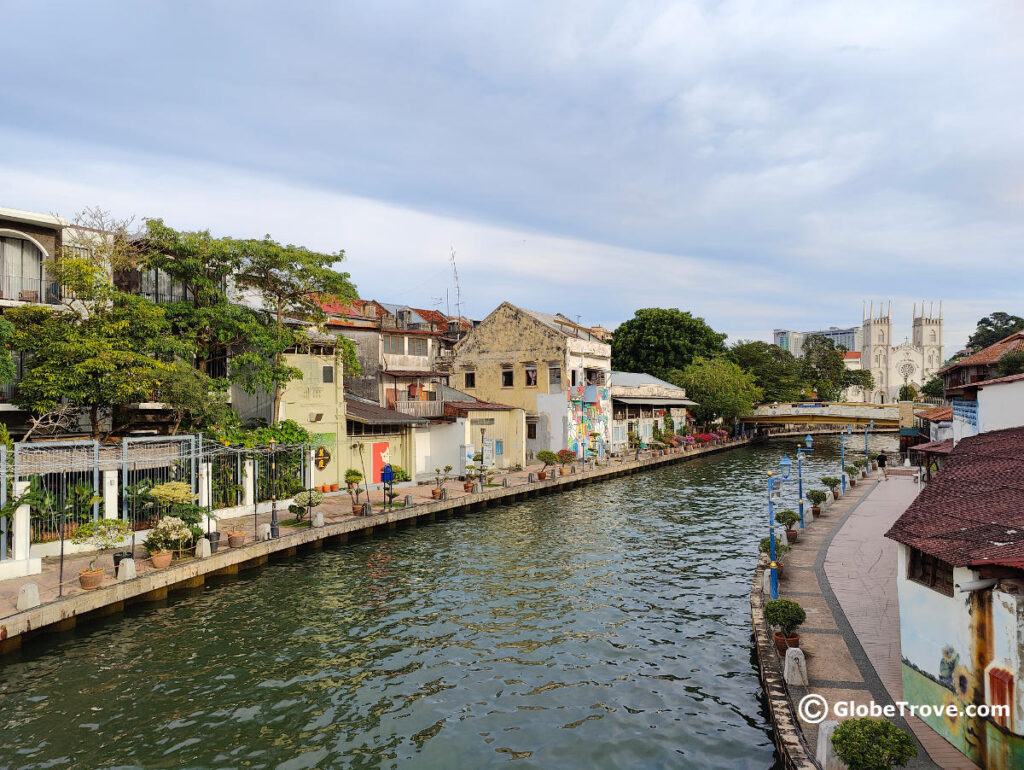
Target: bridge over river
[(884, 416)]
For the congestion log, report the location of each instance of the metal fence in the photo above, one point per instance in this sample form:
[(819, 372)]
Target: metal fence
[(5, 490), (147, 462), (227, 478), (64, 477), (281, 470)]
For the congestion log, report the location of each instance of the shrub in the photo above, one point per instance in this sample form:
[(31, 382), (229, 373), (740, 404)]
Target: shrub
[(310, 497), (172, 492), (786, 614), (852, 470), (872, 456), (766, 547), (831, 482), (547, 457), (353, 476), (816, 496), (872, 744), (860, 463), (787, 518), (566, 456), (168, 534), (101, 534), (400, 473), (441, 476)]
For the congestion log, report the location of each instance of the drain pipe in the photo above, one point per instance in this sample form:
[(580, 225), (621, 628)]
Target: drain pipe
[(976, 585)]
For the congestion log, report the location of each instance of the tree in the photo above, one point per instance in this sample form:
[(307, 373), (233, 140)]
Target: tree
[(776, 371), (105, 349), (196, 399), (1011, 363), (719, 386), (993, 328), (907, 393), (858, 378), (933, 388), (823, 366), (658, 341)]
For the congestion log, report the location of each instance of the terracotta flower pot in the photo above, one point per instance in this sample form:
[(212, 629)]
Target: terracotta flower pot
[(563, 471), (334, 487), (236, 539), (853, 481), (779, 566), (435, 493), (835, 494), (874, 466), (783, 643), (542, 475), (161, 559), (90, 578), (816, 511), (792, 535), (467, 486), (357, 509)]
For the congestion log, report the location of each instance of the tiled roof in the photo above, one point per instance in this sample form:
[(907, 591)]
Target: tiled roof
[(363, 411), (1000, 380), (991, 355), (851, 355), (972, 512), (431, 316), (937, 414), (934, 447)]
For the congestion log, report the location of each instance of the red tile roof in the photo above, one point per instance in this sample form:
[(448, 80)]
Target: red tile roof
[(431, 316), (1000, 380), (937, 414), (991, 355), (934, 447), (848, 355), (972, 513)]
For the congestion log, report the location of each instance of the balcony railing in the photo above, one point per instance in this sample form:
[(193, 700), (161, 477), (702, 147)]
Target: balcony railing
[(421, 408), (29, 289)]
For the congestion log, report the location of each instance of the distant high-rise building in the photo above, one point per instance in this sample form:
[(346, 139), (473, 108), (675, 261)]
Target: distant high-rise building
[(793, 341)]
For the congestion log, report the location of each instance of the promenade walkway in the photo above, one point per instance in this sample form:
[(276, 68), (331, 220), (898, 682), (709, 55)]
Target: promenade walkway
[(843, 572)]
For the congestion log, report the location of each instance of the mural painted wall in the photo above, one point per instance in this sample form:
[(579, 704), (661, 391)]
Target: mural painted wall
[(587, 418)]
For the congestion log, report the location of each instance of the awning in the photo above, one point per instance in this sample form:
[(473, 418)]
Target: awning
[(375, 415), (652, 401), (403, 373), (934, 447)]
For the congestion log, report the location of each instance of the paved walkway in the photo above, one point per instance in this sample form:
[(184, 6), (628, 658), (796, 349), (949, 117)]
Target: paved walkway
[(843, 572)]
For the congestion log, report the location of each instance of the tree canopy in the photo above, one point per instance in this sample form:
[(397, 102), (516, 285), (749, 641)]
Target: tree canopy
[(719, 386), (825, 370), (659, 340), (776, 371), (993, 328)]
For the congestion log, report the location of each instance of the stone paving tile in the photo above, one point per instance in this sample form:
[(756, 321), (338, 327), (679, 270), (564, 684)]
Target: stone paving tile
[(802, 581), (801, 557), (819, 615), (828, 658)]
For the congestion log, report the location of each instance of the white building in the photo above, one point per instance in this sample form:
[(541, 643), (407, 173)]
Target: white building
[(911, 362), (641, 403)]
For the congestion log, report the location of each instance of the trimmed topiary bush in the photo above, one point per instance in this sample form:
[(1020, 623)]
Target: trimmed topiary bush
[(786, 614), (816, 496), (788, 518), (547, 457), (831, 482), (766, 547), (871, 744)]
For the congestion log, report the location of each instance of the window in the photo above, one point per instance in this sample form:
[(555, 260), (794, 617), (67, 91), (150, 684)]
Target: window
[(531, 376), (394, 345), (1001, 693), (594, 376), (508, 379), (574, 378), (555, 376), (531, 430), (469, 379), (930, 571), (328, 374), (22, 268), (417, 346)]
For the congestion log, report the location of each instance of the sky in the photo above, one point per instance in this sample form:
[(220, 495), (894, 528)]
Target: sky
[(761, 164)]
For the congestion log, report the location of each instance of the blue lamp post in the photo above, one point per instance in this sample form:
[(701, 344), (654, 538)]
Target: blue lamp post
[(785, 465), (867, 427), (809, 441), (842, 455)]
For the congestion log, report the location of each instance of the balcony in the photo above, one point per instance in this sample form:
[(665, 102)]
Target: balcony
[(428, 409), (19, 289)]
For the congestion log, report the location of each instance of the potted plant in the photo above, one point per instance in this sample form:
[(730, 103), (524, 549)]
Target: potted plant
[(789, 518), (873, 457), (549, 458), (832, 483), (851, 472), (440, 477), (788, 616), (860, 464), (864, 743), (566, 457), (781, 549), (817, 497), (236, 538), (354, 493), (169, 534), (100, 534), (471, 475)]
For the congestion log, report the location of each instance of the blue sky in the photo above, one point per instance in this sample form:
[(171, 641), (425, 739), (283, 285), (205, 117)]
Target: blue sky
[(761, 164)]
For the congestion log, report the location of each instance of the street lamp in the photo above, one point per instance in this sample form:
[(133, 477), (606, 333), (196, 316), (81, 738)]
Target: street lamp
[(842, 455), (869, 426), (275, 531), (785, 465), (809, 441)]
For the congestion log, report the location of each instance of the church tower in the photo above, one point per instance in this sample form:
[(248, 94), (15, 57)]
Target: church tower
[(877, 348), (928, 338)]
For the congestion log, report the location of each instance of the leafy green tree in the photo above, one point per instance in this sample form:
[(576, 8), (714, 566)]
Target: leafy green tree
[(872, 744), (719, 386), (857, 378), (1011, 363), (776, 371), (197, 400), (105, 349), (933, 388), (993, 328), (823, 366), (658, 341), (907, 393)]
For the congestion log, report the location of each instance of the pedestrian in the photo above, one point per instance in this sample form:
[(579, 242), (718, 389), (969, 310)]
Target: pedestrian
[(883, 463)]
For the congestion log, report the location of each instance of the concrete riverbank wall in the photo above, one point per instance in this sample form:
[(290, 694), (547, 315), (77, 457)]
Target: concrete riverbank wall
[(63, 614)]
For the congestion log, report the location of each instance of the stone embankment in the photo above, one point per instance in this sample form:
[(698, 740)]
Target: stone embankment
[(19, 626)]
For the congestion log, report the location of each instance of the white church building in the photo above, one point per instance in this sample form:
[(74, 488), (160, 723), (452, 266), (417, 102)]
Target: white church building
[(910, 362)]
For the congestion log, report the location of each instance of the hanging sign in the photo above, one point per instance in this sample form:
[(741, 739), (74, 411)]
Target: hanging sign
[(322, 458)]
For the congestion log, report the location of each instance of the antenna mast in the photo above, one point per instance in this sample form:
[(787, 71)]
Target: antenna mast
[(458, 291)]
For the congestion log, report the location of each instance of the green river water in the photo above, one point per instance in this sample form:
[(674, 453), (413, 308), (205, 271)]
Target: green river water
[(606, 627)]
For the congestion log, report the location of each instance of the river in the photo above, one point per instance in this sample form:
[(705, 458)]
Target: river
[(606, 627)]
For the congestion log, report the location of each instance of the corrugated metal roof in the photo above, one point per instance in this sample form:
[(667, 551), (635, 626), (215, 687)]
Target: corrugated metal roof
[(361, 411), (635, 379)]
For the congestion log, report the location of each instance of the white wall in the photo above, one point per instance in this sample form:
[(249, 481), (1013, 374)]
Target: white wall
[(1001, 406), (438, 445)]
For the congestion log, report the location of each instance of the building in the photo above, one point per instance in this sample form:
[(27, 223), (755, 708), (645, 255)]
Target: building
[(554, 369), (644, 405), (912, 362), (793, 341), (978, 367), (960, 582), (854, 394)]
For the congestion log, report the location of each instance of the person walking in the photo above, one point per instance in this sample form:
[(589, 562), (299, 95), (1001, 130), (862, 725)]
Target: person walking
[(883, 464)]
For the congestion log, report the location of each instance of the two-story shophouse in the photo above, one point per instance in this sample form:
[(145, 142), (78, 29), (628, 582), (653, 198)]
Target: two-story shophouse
[(555, 369)]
